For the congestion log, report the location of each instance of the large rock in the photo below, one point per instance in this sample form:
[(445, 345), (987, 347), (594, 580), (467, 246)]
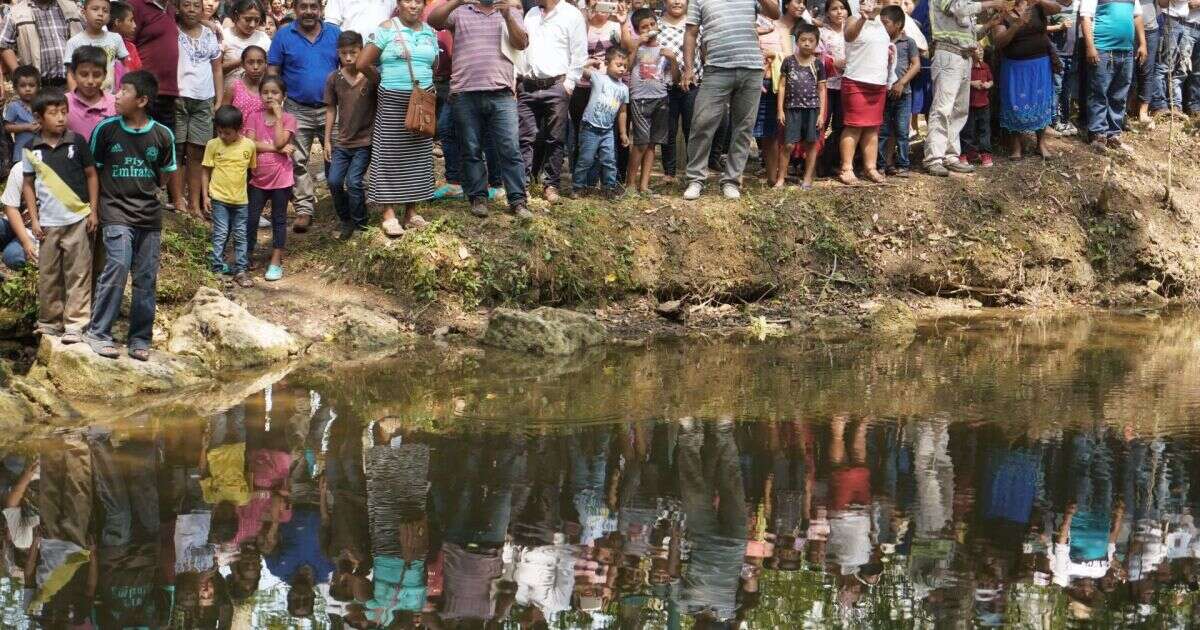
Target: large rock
[(78, 372), (362, 328), (222, 334), (890, 316), (543, 331)]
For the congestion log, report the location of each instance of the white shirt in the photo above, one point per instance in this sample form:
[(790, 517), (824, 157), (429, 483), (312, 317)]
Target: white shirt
[(12, 190), (867, 55), (557, 44), (361, 16), (1180, 9)]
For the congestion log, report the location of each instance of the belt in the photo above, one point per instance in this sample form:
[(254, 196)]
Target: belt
[(965, 53), (536, 85), (1183, 21)]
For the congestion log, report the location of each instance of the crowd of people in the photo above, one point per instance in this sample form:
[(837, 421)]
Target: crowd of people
[(222, 103), (279, 509)]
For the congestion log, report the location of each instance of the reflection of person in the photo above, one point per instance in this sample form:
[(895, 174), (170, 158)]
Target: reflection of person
[(1086, 542), (60, 554), (716, 529)]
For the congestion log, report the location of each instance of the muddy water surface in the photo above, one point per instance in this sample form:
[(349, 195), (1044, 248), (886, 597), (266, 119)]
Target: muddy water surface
[(1031, 473)]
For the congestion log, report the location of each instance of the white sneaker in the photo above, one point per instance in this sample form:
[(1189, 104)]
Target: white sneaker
[(693, 191), (731, 191), (263, 222)]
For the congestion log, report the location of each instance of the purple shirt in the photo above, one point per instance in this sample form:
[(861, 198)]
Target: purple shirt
[(479, 65)]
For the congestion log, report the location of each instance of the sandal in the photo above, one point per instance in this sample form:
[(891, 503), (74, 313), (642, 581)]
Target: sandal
[(876, 177), (108, 351), (416, 222), (392, 228), (69, 338), (139, 354), (847, 178)]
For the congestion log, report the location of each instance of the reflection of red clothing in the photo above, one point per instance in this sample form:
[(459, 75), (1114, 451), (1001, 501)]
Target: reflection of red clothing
[(980, 72), (441, 69), (849, 486)]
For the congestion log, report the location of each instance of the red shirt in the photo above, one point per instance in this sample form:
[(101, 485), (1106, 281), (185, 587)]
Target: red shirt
[(980, 72), (441, 71), (134, 60), (158, 37)]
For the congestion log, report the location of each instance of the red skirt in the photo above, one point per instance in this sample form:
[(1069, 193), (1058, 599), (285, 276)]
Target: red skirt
[(862, 103)]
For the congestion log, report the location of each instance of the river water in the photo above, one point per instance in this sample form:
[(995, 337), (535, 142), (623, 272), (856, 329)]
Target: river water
[(1030, 472)]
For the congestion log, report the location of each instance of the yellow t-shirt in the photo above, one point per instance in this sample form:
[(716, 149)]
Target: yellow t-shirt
[(227, 470), (231, 164)]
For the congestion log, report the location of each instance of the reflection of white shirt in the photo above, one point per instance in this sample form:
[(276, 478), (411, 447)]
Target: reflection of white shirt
[(850, 540), (20, 526), (360, 16), (545, 578), (192, 550), (557, 44), (1066, 569)]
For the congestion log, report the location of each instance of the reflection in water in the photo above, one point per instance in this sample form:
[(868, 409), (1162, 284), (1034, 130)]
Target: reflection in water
[(1020, 478)]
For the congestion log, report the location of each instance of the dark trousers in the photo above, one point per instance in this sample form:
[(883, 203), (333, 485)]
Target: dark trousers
[(127, 251), (279, 198), (680, 107), (543, 127), (977, 133), (347, 170)]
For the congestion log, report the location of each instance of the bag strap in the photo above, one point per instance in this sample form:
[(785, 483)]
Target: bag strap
[(412, 76)]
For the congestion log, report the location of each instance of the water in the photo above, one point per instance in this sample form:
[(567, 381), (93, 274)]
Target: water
[(1008, 472)]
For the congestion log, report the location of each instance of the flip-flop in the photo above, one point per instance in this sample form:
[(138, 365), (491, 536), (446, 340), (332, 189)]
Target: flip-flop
[(848, 178), (139, 354), (392, 228), (416, 222), (876, 177)]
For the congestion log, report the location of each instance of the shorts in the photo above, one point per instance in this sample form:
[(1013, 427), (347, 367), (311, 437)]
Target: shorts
[(193, 121), (651, 119), (802, 125)]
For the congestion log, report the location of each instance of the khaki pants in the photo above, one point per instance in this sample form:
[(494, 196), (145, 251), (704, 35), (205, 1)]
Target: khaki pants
[(951, 74), (65, 279)]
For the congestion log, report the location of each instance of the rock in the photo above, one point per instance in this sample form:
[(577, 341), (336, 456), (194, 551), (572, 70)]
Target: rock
[(78, 372), (543, 331), (890, 316), (224, 335), (672, 310), (1131, 295), (361, 328)]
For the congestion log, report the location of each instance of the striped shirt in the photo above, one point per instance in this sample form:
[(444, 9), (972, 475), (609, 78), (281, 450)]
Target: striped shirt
[(729, 35), (479, 65)]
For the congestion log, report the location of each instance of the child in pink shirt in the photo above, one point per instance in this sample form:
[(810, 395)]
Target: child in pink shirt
[(88, 104), (272, 131)]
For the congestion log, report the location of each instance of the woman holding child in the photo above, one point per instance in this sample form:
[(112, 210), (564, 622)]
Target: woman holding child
[(1026, 76), (864, 91), (405, 49)]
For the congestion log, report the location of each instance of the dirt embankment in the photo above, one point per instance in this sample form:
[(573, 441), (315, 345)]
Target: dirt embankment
[(1081, 228)]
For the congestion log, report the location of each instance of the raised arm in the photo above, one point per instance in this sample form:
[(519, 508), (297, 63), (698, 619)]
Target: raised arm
[(769, 8), (517, 36), (439, 17)]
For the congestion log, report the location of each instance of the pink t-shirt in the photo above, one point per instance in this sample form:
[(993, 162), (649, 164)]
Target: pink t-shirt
[(245, 101), (83, 118), (274, 169)]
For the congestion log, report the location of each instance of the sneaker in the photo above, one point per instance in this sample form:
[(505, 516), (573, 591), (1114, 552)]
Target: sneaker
[(243, 280), (345, 232), (448, 191), (969, 157), (264, 223), (274, 272), (937, 169), (222, 269), (730, 191), (985, 160), (693, 191), (1115, 143), (902, 171), (522, 212), (479, 208), (959, 167), (302, 223), (551, 194), (1099, 145)]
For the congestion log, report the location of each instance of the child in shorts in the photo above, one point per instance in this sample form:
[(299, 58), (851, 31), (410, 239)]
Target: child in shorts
[(648, 94), (802, 101)]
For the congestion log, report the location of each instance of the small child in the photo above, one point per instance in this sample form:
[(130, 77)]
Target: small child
[(977, 134), (88, 103), (18, 115), (95, 19), (350, 96), (897, 113), (607, 104), (228, 159), (132, 154), (648, 95), (121, 22), (803, 101), (272, 131), (61, 190), (201, 82)]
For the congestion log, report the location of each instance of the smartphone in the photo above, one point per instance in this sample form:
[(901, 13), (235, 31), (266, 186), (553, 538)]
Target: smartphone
[(604, 6), (486, 3)]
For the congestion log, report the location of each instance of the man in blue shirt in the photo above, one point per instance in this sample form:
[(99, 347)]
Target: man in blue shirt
[(1112, 32), (303, 53)]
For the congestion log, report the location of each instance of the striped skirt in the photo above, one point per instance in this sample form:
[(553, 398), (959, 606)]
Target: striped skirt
[(401, 168), (397, 487)]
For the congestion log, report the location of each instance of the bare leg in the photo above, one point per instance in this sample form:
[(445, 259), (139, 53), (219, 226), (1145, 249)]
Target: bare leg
[(647, 167), (870, 153), (810, 162), (850, 138)]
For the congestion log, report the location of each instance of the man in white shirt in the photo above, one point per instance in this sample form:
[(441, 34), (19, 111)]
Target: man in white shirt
[(360, 16), (1181, 52), (552, 66)]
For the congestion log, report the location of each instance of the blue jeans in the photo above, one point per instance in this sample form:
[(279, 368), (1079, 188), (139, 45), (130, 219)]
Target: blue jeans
[(127, 250), (1108, 92), (1148, 85), (596, 146), (452, 151), (223, 217), (1179, 48), (897, 115), (345, 179), (1065, 89), (11, 251), (482, 117)]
